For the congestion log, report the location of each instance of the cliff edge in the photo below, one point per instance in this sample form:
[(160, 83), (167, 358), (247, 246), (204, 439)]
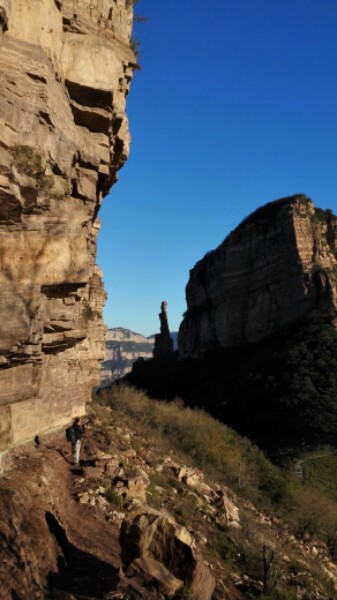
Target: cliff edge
[(65, 69), (273, 269)]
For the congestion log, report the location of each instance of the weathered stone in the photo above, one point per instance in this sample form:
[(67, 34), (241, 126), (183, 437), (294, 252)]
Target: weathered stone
[(203, 582), (152, 570), (103, 456), (5, 427), (83, 498), (196, 483), (101, 502), (155, 534), (131, 453), (278, 265), (65, 70), (112, 468), (137, 488), (231, 512), (93, 472)]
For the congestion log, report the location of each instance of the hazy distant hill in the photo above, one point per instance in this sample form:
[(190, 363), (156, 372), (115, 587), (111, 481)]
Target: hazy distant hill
[(122, 348)]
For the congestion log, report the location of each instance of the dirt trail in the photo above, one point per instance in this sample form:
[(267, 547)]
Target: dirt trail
[(48, 539)]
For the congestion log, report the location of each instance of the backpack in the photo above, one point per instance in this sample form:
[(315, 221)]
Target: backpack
[(70, 434)]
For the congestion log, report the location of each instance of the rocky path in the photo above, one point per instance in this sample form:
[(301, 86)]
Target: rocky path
[(131, 523), (106, 529)]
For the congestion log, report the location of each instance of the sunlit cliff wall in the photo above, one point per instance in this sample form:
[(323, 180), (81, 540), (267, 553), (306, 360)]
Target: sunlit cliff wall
[(65, 70), (276, 267)]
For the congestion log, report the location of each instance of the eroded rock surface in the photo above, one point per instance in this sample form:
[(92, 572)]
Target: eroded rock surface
[(65, 70), (276, 267)]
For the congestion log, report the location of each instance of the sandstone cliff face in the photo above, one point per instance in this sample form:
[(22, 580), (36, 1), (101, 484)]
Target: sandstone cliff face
[(65, 69), (278, 265)]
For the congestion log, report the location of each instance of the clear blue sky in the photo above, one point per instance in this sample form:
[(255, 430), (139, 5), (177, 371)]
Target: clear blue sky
[(235, 105)]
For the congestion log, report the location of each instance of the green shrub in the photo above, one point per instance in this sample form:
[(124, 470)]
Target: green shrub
[(28, 161), (320, 468), (88, 313), (114, 498), (55, 186), (222, 546)]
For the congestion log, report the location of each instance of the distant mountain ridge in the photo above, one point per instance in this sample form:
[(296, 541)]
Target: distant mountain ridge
[(122, 334), (124, 346)]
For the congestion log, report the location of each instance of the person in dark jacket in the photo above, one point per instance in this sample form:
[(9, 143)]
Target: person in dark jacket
[(78, 428)]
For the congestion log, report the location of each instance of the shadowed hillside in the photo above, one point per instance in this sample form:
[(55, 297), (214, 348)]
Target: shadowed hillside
[(281, 392), (258, 343)]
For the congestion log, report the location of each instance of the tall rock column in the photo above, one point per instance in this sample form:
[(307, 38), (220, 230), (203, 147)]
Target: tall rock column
[(163, 345), (65, 70)]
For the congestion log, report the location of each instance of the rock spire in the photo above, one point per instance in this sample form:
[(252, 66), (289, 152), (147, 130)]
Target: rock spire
[(163, 345)]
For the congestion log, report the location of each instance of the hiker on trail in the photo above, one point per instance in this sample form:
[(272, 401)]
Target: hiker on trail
[(78, 430)]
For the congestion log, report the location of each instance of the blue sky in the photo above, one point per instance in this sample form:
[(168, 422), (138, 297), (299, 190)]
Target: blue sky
[(235, 105)]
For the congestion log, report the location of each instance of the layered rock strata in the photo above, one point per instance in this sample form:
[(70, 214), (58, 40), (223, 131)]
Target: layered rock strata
[(276, 267), (65, 70)]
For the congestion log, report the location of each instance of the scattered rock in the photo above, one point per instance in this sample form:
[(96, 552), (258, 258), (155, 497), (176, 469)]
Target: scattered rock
[(111, 468), (231, 512), (156, 552), (131, 453), (83, 498), (136, 488)]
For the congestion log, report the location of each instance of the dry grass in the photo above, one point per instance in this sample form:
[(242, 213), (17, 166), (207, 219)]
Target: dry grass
[(197, 437)]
